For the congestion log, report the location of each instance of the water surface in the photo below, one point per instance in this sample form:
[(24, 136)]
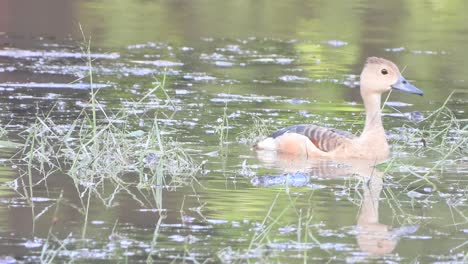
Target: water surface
[(230, 66)]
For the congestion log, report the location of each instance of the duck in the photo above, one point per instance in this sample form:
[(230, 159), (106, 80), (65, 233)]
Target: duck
[(378, 76)]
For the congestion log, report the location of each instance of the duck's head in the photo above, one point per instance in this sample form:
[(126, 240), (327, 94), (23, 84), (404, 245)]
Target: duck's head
[(381, 75)]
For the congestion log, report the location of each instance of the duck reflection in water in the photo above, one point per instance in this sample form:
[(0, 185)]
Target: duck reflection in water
[(372, 236)]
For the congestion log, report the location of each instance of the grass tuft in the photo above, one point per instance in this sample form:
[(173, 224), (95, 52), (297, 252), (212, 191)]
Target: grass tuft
[(259, 129)]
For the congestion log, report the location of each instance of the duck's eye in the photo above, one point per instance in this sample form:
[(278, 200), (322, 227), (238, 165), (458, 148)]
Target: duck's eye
[(384, 71)]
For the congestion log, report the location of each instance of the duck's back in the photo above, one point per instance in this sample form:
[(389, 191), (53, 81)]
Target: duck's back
[(325, 139)]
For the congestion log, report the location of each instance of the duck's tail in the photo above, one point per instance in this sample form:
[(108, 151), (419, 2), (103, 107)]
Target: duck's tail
[(266, 144)]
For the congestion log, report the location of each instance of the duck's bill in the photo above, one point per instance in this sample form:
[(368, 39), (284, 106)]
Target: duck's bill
[(403, 85)]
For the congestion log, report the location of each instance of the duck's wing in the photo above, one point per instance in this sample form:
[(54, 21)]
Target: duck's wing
[(325, 139)]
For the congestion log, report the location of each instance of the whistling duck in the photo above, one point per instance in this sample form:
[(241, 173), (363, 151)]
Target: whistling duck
[(377, 77)]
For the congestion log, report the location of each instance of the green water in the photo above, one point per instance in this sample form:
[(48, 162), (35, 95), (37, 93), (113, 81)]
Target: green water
[(284, 63)]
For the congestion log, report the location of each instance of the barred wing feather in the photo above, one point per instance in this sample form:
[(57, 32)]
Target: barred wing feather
[(325, 139)]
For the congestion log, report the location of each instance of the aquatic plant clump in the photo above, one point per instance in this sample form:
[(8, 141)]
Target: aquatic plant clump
[(91, 155), (92, 151), (114, 151)]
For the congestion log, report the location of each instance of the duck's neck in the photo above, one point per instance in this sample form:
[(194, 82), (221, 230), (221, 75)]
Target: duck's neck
[(373, 141), (373, 115)]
